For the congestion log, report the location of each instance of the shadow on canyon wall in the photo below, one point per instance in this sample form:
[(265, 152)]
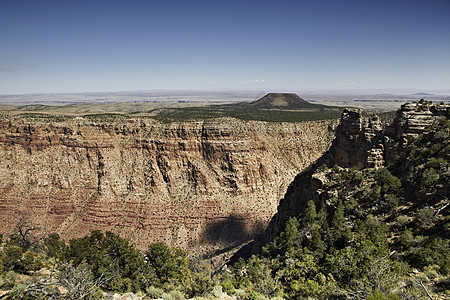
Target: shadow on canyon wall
[(233, 230)]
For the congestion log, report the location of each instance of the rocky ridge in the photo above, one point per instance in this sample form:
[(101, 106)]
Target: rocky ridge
[(365, 142), (362, 142), (200, 185)]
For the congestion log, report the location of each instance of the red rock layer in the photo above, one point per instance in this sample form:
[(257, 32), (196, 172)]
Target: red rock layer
[(199, 185)]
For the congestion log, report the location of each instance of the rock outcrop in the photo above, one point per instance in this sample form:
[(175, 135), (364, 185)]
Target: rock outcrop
[(200, 185), (359, 141), (362, 142)]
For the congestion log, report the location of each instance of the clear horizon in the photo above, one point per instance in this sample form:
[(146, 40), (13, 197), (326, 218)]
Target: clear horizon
[(337, 91), (112, 46)]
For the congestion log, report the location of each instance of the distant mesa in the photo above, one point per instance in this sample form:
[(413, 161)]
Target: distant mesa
[(423, 94), (281, 101), (273, 107)]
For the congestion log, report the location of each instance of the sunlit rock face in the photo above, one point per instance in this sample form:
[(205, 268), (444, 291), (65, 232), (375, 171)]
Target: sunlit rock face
[(200, 185), (359, 141), (364, 142)]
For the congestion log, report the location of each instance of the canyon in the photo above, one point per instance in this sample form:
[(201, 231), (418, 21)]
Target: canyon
[(206, 186)]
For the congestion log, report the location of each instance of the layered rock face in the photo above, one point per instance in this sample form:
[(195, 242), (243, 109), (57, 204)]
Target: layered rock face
[(359, 141), (412, 119), (199, 185), (363, 141)]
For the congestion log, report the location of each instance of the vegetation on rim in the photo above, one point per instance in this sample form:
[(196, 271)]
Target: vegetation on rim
[(268, 108)]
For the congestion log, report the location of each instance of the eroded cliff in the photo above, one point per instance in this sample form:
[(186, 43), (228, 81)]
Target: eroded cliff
[(361, 142), (365, 142), (200, 185)]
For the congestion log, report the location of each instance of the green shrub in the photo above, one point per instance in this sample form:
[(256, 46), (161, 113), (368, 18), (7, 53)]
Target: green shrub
[(406, 239), (111, 256), (10, 279), (32, 261), (154, 292), (173, 295), (165, 264), (227, 286), (424, 217), (402, 220), (377, 295), (55, 247), (11, 256), (429, 177)]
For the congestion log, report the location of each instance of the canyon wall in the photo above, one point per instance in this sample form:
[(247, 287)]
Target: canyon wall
[(203, 185), (361, 142)]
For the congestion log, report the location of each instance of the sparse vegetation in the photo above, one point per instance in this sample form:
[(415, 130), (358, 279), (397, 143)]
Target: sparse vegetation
[(264, 109), (298, 110)]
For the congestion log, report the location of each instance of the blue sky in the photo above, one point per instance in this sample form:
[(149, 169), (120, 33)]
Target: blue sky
[(76, 46)]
